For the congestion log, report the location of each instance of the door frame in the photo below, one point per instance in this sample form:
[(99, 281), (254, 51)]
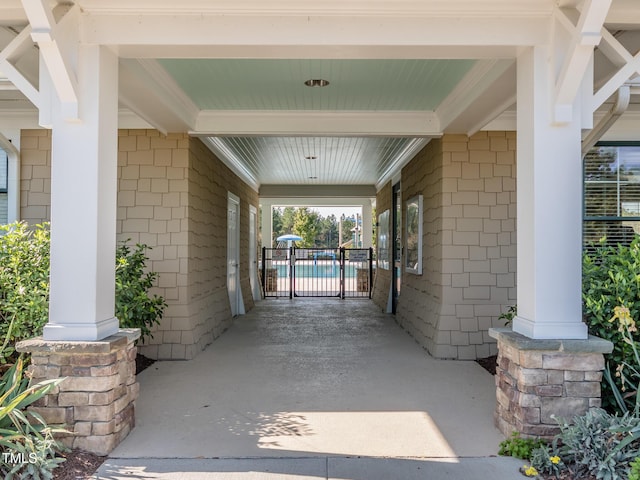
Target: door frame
[(253, 253), (236, 301)]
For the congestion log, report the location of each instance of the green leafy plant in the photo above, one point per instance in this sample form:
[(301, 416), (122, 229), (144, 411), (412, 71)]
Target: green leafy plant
[(27, 445), (611, 277), (24, 283), (24, 286), (135, 307), (546, 459), (625, 385), (634, 473), (601, 444), (509, 315), (519, 447)]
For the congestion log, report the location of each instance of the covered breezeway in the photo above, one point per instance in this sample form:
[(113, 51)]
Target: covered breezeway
[(314, 377)]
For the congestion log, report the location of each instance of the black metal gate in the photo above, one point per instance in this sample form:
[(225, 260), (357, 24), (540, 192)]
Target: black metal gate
[(317, 272)]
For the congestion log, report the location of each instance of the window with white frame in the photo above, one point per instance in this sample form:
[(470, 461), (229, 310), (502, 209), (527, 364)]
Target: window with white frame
[(612, 194)]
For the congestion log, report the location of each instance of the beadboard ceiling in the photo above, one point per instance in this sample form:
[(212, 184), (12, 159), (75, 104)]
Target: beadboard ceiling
[(356, 85)]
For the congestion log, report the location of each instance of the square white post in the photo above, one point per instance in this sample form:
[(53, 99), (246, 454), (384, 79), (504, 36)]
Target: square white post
[(549, 224), (83, 204), (267, 223)]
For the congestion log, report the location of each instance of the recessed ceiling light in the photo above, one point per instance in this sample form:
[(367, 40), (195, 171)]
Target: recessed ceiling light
[(316, 82), (311, 157)]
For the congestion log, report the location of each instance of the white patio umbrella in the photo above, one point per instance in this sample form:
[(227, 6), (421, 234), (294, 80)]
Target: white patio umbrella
[(289, 237)]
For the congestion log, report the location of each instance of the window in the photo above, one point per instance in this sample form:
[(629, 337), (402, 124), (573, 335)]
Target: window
[(611, 194)]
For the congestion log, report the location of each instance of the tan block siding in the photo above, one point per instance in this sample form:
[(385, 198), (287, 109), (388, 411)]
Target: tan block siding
[(209, 183), (469, 244), (152, 209), (382, 281), (172, 196), (35, 175)]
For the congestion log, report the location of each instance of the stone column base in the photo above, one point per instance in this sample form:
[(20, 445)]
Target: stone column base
[(536, 379), (96, 400)]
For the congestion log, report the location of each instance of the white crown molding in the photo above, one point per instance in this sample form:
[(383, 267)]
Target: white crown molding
[(490, 117), (227, 157), (146, 87), (506, 121), (405, 157), (470, 88)]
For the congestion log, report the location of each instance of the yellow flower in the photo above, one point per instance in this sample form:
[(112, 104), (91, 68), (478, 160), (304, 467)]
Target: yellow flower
[(530, 471), (623, 316), (555, 459)]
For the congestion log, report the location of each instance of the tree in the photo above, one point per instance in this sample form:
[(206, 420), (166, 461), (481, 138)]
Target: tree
[(348, 224), (306, 225), (276, 220)]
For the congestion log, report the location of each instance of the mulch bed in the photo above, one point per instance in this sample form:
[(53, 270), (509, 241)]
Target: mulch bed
[(489, 363), (81, 465), (143, 362)]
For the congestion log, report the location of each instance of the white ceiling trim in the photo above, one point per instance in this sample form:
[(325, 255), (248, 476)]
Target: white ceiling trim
[(167, 89), (373, 8), (493, 115), (320, 195), (318, 123), (227, 157), (470, 88), (19, 119), (506, 121), (405, 157), (151, 93), (197, 31)]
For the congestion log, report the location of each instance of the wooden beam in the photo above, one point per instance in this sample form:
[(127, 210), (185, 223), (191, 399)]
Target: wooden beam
[(586, 35), (10, 70), (44, 33)]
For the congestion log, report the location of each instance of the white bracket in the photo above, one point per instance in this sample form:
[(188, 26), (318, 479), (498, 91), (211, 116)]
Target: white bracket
[(43, 32), (11, 52), (586, 35), (629, 66)]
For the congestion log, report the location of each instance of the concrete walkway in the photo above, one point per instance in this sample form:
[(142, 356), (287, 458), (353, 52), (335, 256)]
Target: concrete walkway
[(313, 389)]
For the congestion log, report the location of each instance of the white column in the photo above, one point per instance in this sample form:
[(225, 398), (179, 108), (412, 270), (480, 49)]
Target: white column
[(367, 225), (549, 209), (83, 204), (267, 224)]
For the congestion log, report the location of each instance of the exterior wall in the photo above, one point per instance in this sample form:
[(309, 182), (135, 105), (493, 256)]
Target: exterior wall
[(469, 243), (35, 175), (172, 196), (209, 182), (382, 281)]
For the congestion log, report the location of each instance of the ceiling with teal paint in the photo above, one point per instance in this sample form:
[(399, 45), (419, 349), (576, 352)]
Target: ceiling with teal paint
[(361, 85)]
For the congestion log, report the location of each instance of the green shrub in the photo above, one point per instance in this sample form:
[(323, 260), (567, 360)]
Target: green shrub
[(634, 474), (611, 277), (518, 447), (24, 286), (27, 446), (24, 283), (601, 444), (135, 308)]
